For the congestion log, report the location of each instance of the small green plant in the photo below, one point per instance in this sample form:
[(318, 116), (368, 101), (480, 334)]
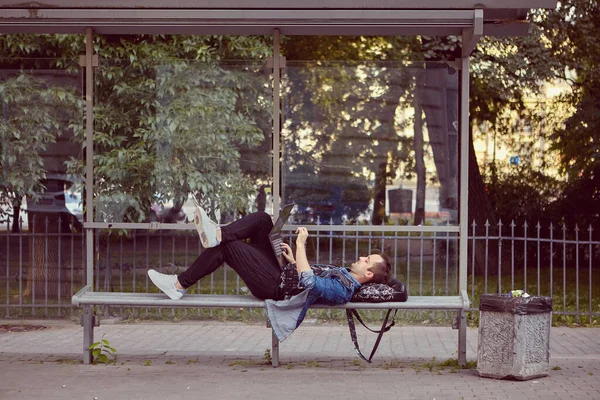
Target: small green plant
[(267, 356), (147, 363), (169, 362), (289, 366), (390, 365), (453, 363), (556, 368), (102, 352), (241, 363), (430, 365), (356, 362)]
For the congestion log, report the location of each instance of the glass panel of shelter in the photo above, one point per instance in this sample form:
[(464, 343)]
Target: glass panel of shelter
[(41, 130), (42, 133), (370, 142), (166, 130)]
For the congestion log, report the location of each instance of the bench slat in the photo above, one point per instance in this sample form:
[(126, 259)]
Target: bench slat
[(87, 297)]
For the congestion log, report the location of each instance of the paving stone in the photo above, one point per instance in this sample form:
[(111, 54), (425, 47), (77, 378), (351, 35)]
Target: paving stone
[(223, 360)]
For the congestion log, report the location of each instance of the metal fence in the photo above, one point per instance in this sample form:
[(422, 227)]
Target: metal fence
[(41, 270)]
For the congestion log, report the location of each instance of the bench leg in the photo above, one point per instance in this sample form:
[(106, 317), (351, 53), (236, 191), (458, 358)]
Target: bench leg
[(274, 349), (462, 338), (88, 333)]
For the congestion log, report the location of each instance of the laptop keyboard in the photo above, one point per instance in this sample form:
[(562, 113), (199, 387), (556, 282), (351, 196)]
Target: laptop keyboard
[(276, 244)]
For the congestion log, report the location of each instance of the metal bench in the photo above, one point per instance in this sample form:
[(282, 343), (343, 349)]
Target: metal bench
[(87, 298)]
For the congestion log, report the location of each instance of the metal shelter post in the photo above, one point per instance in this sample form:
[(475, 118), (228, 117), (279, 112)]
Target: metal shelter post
[(89, 153), (276, 123), (470, 38), (88, 312)]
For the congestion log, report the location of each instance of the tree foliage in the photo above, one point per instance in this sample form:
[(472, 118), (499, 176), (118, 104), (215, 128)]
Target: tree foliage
[(571, 35), (172, 119), (343, 132), (36, 110)]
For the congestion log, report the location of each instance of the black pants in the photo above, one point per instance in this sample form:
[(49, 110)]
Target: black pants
[(253, 260)]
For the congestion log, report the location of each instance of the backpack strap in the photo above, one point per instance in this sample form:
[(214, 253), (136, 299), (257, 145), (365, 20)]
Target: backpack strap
[(351, 313)]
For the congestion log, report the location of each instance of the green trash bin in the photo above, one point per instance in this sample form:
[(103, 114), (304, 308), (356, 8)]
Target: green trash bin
[(514, 336)]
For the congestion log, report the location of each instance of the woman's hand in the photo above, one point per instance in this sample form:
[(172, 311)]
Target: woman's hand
[(287, 253), (302, 236)]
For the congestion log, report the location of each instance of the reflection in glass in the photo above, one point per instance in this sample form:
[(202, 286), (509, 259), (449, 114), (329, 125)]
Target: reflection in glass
[(370, 142), (40, 126), (166, 130), (41, 118)]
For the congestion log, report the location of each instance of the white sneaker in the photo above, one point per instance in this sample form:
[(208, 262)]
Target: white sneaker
[(166, 283), (207, 229)]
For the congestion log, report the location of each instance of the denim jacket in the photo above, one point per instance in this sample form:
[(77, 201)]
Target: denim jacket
[(334, 285)]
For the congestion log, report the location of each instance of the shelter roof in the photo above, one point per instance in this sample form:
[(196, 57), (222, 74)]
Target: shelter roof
[(291, 17)]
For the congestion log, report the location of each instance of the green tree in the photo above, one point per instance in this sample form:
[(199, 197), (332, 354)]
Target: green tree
[(32, 93), (571, 35), (173, 117)]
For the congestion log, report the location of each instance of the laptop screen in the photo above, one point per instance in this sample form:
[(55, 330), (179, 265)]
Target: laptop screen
[(283, 217)]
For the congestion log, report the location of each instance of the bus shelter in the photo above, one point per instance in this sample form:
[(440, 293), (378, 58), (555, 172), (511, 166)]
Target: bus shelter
[(294, 123)]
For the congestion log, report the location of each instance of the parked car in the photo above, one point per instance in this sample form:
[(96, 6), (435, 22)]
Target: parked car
[(327, 203)]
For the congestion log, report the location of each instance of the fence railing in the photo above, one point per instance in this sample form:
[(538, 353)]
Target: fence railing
[(39, 271)]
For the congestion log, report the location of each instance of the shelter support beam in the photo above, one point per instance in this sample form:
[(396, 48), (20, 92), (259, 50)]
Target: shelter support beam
[(277, 63), (464, 205), (87, 320), (91, 61), (464, 175), (472, 35)]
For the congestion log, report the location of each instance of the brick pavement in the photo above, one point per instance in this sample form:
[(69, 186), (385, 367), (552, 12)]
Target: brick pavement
[(216, 360)]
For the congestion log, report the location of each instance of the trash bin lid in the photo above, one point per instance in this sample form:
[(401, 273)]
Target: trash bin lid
[(515, 305)]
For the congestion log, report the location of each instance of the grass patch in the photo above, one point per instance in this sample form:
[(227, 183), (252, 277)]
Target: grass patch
[(312, 364), (453, 363), (241, 363), (391, 365)]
